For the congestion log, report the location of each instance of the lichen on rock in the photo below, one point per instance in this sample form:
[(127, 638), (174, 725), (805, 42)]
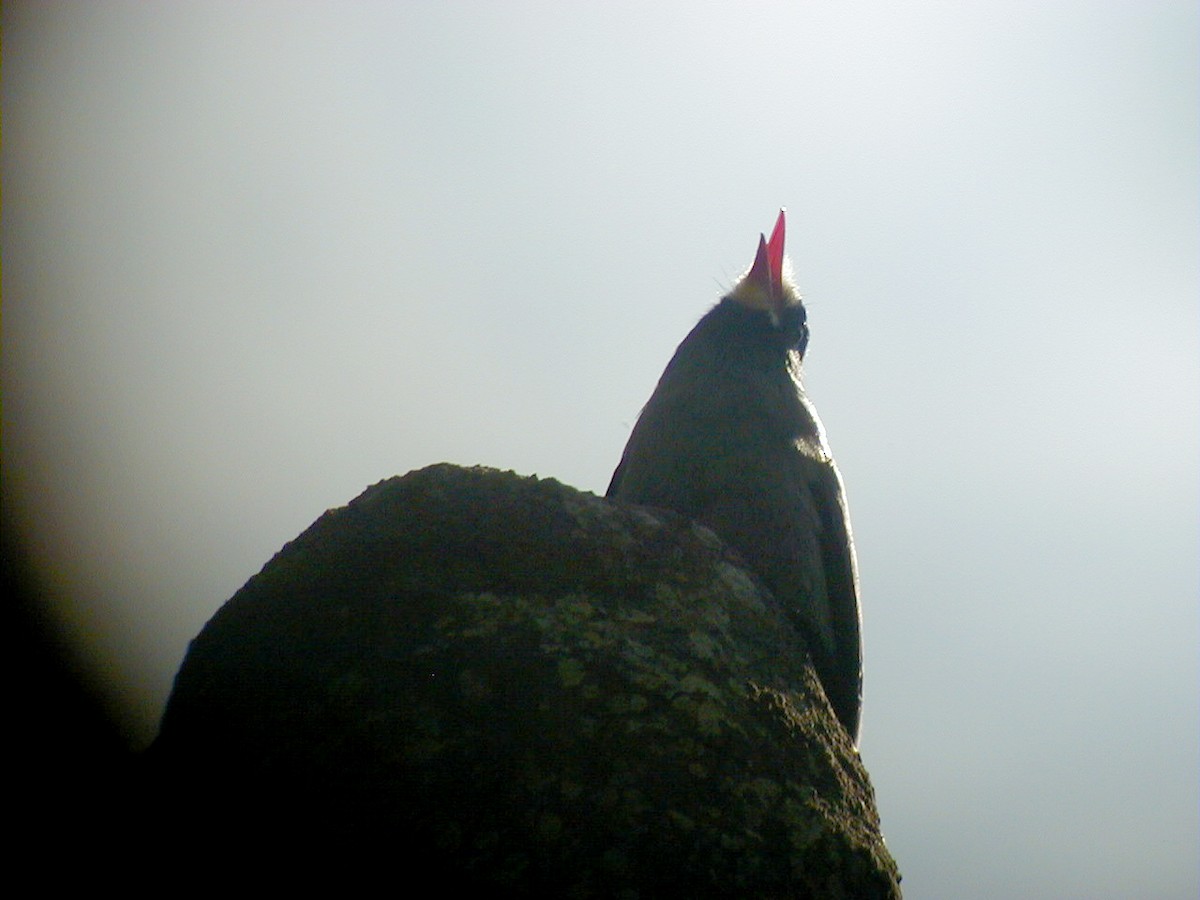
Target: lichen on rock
[(528, 690)]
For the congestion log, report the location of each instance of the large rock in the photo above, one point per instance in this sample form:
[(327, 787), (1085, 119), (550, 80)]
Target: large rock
[(520, 689)]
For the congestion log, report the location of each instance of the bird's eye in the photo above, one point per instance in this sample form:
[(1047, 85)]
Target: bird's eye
[(792, 320), (801, 340)]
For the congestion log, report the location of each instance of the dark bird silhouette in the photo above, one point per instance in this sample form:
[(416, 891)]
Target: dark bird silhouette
[(729, 439)]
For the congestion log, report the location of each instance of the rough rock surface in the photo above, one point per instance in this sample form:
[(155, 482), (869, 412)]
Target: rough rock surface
[(518, 688)]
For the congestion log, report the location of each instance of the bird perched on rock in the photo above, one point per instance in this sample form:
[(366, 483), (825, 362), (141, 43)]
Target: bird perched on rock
[(730, 439)]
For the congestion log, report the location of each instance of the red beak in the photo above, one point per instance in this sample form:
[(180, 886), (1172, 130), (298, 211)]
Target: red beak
[(768, 262), (775, 256)]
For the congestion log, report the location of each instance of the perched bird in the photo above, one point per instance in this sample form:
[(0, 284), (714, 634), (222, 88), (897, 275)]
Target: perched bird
[(729, 439)]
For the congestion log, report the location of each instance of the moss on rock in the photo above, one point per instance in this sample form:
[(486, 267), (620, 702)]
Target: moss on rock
[(524, 689)]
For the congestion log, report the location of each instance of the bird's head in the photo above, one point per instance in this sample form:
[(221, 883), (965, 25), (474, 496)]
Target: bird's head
[(766, 289)]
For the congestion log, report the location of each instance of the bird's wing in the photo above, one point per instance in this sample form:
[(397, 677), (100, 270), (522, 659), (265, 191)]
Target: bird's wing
[(786, 513), (659, 466), (836, 541), (705, 454), (614, 484)]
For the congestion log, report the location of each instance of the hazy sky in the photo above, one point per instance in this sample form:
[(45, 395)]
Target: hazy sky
[(259, 256)]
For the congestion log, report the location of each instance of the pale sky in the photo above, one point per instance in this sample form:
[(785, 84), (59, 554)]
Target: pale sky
[(259, 256)]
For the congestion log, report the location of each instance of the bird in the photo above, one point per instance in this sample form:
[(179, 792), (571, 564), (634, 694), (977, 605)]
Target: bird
[(730, 439)]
